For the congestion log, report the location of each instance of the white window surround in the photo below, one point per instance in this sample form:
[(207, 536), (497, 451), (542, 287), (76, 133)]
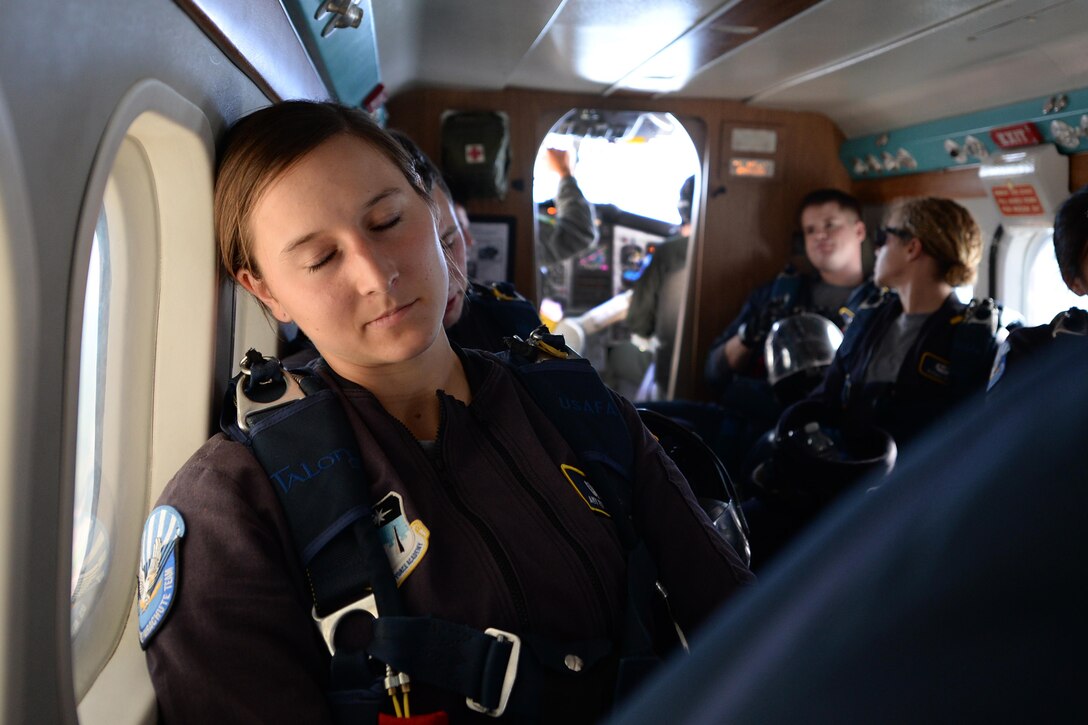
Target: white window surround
[(153, 175)]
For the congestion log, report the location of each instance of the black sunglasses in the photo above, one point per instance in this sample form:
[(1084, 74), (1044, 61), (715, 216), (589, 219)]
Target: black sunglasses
[(883, 232)]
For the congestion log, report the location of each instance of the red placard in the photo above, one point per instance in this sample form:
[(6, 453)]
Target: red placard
[(1022, 134), (1018, 200)]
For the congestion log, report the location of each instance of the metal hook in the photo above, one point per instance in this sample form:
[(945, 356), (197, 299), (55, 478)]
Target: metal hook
[(345, 14)]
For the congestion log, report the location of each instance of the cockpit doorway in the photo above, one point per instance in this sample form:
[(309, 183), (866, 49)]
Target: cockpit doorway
[(631, 166)]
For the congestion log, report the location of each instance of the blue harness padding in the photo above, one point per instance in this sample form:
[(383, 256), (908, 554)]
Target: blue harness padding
[(974, 342), (309, 440), (576, 400), (507, 308)]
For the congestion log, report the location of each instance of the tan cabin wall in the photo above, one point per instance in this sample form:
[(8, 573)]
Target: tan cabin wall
[(746, 224)]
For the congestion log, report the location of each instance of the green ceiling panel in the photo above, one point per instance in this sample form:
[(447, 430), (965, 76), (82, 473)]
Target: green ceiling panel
[(347, 57)]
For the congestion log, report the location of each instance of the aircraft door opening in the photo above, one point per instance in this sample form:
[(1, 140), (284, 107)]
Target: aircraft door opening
[(631, 166)]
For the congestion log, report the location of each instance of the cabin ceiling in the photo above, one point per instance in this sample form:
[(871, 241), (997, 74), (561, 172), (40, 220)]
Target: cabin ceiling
[(869, 65)]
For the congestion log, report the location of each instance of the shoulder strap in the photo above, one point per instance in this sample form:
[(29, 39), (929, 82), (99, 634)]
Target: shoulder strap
[(786, 290), (573, 396), (509, 310), (865, 294), (974, 341), (303, 441), (860, 319)]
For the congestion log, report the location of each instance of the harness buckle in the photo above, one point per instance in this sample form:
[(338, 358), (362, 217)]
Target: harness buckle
[(246, 406), (550, 344), (328, 624), (508, 679)]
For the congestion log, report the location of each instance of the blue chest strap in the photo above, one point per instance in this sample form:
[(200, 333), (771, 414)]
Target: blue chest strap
[(508, 310)]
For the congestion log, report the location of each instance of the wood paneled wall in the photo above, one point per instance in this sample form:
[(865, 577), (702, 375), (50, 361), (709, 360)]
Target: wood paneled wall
[(746, 224), (1078, 171)]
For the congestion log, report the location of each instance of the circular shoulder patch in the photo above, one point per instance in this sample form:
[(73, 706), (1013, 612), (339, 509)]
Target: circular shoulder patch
[(157, 580)]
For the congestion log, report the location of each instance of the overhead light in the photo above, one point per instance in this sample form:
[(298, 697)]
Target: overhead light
[(1021, 168)]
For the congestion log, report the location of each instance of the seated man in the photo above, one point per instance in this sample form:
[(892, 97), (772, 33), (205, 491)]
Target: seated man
[(833, 231), (1069, 327)]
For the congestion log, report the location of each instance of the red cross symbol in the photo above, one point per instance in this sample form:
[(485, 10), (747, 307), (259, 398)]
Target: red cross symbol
[(474, 153)]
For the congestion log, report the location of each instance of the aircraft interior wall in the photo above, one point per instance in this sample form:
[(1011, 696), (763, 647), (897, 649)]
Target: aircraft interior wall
[(57, 109), (95, 88)]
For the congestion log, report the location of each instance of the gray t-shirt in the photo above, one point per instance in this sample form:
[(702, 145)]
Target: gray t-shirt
[(829, 298), (893, 347)]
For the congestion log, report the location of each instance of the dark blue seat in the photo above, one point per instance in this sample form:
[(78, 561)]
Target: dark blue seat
[(957, 592)]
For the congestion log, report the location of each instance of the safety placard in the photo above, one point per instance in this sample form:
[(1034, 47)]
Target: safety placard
[(1018, 200)]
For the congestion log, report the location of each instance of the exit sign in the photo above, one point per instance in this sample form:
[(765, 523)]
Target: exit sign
[(1022, 134)]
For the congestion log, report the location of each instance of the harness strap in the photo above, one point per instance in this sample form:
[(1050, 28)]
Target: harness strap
[(786, 291), (974, 341), (448, 655), (482, 666), (310, 454), (573, 396), (864, 295), (507, 308)]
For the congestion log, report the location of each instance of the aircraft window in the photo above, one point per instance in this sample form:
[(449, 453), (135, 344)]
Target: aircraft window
[(113, 406), (965, 293), (1047, 294), (631, 166), (91, 524), (147, 298), (639, 176)]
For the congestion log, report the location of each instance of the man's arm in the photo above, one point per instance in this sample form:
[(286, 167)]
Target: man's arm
[(729, 352), (573, 231)]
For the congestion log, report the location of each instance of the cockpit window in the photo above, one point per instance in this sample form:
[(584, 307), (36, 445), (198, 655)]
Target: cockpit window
[(640, 171)]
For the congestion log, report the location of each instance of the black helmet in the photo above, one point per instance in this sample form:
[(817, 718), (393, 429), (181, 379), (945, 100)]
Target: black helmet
[(706, 475), (797, 352), (818, 453)]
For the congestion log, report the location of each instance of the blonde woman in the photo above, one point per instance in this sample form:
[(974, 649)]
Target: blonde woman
[(917, 351)]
